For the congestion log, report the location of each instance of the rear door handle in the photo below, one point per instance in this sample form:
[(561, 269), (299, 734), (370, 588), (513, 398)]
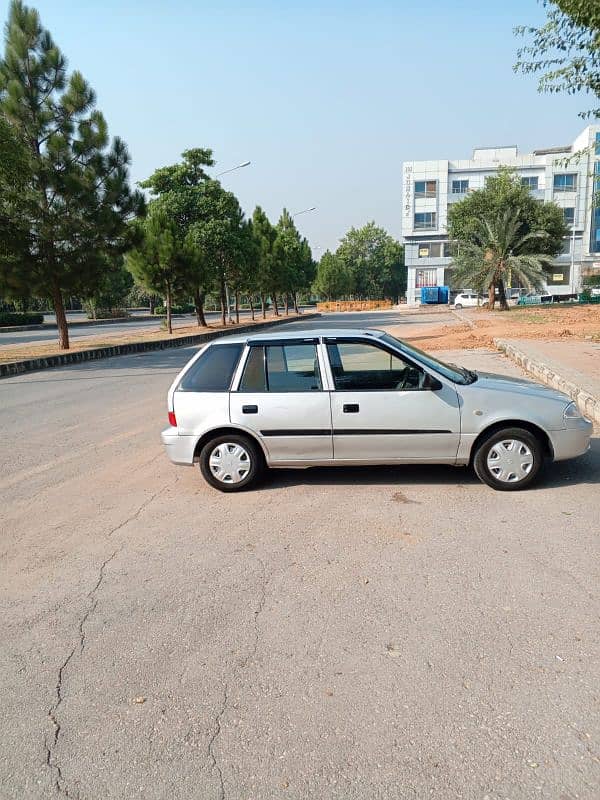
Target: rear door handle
[(351, 408), (249, 409)]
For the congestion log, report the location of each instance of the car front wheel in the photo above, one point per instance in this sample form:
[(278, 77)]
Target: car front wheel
[(458, 306), (231, 463), (509, 459)]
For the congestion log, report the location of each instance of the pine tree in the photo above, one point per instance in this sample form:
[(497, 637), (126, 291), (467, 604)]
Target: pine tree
[(156, 260), (80, 200), (264, 236), (179, 191)]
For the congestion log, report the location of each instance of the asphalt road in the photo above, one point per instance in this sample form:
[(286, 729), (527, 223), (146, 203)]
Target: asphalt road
[(351, 633), (114, 329)]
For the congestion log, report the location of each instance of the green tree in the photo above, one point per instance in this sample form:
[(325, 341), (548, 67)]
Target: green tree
[(501, 192), (267, 280), (333, 279), (500, 249), (220, 234), (565, 51), (287, 256), (180, 191), (156, 260), (80, 200), (374, 260), (14, 236), (112, 293)]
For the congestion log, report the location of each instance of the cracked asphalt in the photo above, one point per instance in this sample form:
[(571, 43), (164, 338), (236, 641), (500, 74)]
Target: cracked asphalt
[(353, 633)]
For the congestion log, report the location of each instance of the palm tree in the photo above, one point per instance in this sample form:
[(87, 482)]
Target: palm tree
[(498, 252)]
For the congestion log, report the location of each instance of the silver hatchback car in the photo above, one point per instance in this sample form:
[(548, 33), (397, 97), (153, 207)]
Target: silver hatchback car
[(349, 397)]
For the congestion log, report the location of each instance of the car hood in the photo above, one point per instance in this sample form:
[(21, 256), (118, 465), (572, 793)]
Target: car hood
[(504, 383)]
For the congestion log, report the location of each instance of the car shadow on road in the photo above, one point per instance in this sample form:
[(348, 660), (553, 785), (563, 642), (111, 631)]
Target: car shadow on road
[(583, 470)]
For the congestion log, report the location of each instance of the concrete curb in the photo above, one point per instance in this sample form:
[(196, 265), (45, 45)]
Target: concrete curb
[(588, 404), (78, 356)]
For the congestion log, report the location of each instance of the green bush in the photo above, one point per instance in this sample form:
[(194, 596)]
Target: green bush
[(16, 318), (186, 308), (108, 313)]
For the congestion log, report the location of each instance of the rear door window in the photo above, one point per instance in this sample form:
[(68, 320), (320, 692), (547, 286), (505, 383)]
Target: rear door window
[(281, 368), (213, 371)]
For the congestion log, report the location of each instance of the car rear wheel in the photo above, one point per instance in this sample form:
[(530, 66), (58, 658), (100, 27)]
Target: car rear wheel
[(509, 459), (458, 306), (231, 463)]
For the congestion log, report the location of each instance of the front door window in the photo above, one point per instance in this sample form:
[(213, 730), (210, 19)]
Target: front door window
[(363, 367)]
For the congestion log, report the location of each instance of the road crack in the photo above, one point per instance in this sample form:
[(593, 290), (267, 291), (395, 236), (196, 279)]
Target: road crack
[(243, 663), (215, 735), (50, 747), (257, 612)]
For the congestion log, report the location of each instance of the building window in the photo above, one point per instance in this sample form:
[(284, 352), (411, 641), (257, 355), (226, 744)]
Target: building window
[(426, 220), (460, 187), (530, 181), (598, 144), (434, 250), (425, 188), (566, 182), (569, 215), (426, 277), (595, 236)]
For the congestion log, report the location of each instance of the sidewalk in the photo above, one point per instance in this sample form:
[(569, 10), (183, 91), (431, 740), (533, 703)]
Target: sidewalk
[(572, 367)]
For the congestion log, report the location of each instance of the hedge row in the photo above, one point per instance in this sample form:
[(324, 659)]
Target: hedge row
[(183, 309), (17, 318)]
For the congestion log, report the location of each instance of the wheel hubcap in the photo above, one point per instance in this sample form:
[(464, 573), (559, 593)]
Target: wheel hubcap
[(510, 460), (229, 462)]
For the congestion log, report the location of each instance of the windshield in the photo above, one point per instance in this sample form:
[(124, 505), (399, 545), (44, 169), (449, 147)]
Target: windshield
[(451, 371)]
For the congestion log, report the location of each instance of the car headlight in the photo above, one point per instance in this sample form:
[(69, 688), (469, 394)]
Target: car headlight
[(572, 412)]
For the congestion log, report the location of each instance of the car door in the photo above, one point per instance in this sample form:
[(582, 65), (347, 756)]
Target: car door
[(385, 407), (280, 397)]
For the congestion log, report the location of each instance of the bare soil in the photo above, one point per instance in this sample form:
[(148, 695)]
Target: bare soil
[(476, 328)]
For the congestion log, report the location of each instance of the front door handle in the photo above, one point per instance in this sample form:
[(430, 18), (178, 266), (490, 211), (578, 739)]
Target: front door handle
[(249, 409), (351, 408)]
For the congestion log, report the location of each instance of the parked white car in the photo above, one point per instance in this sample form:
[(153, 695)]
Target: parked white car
[(348, 397), (467, 300)]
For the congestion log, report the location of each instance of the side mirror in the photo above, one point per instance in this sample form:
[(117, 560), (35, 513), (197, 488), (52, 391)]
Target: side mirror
[(431, 383)]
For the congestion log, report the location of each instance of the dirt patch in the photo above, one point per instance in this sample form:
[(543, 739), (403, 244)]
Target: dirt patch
[(573, 323)]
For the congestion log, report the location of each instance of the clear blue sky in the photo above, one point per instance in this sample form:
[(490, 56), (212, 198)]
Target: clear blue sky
[(325, 98)]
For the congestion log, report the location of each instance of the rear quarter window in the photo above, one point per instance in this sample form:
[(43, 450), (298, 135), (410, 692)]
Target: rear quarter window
[(213, 371)]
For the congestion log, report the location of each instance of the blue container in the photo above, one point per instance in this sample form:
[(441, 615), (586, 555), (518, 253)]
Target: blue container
[(429, 295), (433, 295)]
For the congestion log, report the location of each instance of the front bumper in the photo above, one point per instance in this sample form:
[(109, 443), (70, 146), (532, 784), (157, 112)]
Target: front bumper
[(180, 449), (572, 441)]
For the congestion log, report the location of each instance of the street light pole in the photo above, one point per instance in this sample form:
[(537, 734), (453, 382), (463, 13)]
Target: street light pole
[(218, 175), (233, 169), (306, 210)]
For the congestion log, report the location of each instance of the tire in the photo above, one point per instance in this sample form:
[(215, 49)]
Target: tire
[(509, 459), (458, 306), (242, 462)]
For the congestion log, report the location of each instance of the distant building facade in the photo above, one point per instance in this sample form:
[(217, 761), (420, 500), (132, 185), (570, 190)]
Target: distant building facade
[(430, 187)]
